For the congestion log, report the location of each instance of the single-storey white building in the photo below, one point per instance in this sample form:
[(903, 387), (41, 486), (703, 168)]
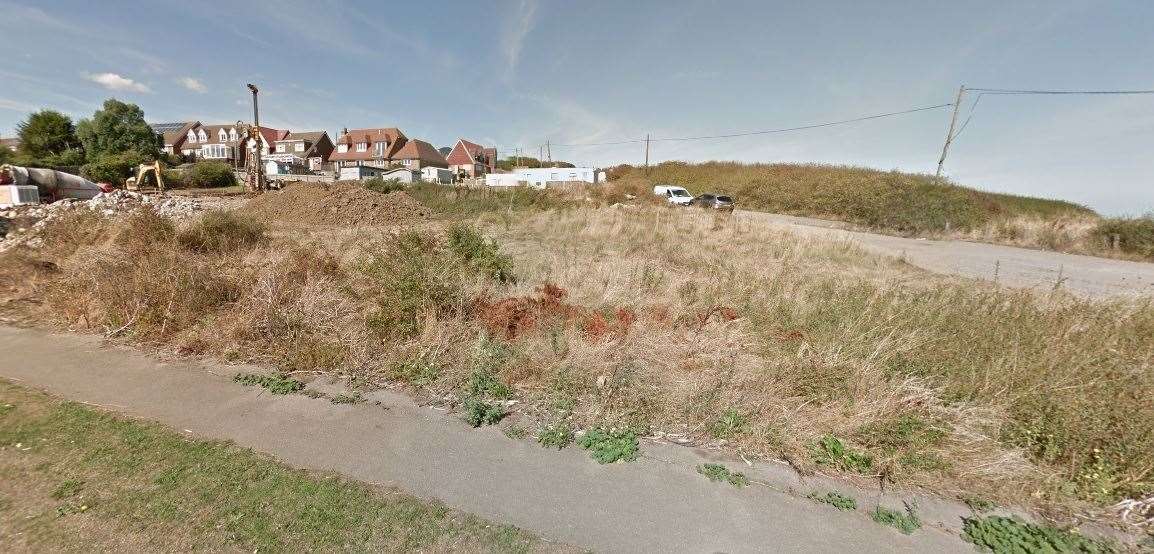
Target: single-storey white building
[(360, 172), (545, 176), (436, 175)]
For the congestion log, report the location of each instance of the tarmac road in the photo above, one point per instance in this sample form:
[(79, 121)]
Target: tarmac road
[(656, 504), (1086, 276)]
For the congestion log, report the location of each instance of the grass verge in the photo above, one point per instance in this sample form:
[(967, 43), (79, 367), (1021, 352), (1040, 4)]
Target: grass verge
[(74, 478)]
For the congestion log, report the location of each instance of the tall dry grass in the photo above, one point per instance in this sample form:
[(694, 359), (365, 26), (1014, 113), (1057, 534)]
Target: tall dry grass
[(676, 321)]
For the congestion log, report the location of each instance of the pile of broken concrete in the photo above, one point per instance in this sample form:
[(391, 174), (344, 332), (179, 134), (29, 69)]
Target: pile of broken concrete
[(21, 224)]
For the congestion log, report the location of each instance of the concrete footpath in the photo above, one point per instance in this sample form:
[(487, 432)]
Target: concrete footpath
[(657, 504), (1086, 276)]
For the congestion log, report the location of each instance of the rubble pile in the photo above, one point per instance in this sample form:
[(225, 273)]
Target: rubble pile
[(340, 204), (21, 224)]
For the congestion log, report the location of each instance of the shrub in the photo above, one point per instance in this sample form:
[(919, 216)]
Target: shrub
[(482, 255), (1009, 534), (144, 228), (413, 278), (382, 186), (221, 232), (113, 169), (608, 446), (276, 384), (208, 175), (1134, 235), (479, 412)]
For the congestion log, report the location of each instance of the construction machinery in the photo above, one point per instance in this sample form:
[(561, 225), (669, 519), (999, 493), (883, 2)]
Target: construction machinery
[(142, 171)]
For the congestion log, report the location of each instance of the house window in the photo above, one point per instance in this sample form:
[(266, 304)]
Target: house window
[(191, 137), (379, 149), (362, 147), (203, 136), (299, 147), (552, 176), (281, 148), (573, 176), (406, 163), (232, 135), (342, 148), (223, 136), (214, 151)]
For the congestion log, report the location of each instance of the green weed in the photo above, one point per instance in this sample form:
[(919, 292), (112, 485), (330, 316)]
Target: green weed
[(516, 432), (413, 278), (831, 451), (478, 412), (343, 398), (67, 489), (419, 371), (835, 499), (907, 522), (730, 424), (720, 473), (468, 244), (608, 446), (558, 435), (977, 504), (1011, 535), (276, 384)]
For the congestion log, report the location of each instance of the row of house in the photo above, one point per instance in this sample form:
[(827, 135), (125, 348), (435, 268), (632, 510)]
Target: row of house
[(378, 148)]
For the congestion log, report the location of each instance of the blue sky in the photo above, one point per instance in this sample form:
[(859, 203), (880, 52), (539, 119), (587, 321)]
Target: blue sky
[(518, 73)]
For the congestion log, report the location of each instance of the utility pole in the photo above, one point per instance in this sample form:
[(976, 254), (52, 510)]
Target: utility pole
[(549, 152), (950, 133), (256, 171), (646, 152)]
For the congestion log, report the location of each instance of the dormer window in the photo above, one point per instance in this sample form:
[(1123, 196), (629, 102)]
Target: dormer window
[(191, 136), (232, 135), (223, 136), (379, 148), (203, 135), (362, 147), (342, 148)]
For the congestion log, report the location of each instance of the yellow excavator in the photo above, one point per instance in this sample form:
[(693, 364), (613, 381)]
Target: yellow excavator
[(142, 171)]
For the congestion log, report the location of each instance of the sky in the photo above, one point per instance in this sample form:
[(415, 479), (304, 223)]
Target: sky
[(517, 73)]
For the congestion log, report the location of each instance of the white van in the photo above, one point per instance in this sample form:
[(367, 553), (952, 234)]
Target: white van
[(674, 194)]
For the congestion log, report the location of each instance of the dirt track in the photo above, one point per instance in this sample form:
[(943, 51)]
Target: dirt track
[(1016, 267)]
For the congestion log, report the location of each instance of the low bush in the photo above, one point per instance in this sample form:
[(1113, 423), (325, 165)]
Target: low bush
[(113, 169), (208, 175), (1000, 535), (610, 445), (221, 232), (1133, 235), (835, 499), (720, 473), (276, 384), (479, 412), (480, 253), (465, 202), (383, 186), (412, 278), (831, 451), (558, 436)]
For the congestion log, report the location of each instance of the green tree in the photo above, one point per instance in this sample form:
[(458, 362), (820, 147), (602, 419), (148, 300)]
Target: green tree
[(7, 156), (115, 129), (46, 133)]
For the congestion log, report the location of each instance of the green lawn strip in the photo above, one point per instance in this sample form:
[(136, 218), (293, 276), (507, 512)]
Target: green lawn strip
[(152, 481)]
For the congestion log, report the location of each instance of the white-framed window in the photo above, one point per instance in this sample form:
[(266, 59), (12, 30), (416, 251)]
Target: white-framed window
[(203, 135), (362, 147), (379, 148), (552, 176), (342, 148), (232, 135), (191, 136), (222, 135), (406, 162), (281, 148), (214, 151), (299, 147), (573, 176)]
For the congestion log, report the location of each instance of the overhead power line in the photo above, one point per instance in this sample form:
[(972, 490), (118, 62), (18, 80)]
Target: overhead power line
[(1015, 91), (763, 132)]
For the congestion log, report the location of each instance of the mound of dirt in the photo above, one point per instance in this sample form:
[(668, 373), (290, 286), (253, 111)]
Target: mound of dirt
[(341, 204)]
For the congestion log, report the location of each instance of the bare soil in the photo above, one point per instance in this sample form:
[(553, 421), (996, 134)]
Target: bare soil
[(338, 204)]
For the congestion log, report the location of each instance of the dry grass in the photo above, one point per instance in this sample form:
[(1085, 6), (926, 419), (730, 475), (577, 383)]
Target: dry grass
[(675, 321)]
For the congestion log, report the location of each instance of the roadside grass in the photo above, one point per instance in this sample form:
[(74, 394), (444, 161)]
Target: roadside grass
[(610, 445), (1005, 535), (905, 521), (633, 317), (276, 384), (83, 479), (465, 203)]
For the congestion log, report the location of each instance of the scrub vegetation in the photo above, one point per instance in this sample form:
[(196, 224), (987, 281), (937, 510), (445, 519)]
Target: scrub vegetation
[(613, 322)]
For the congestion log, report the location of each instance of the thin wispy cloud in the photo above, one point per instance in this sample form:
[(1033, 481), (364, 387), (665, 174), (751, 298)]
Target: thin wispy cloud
[(16, 105), (117, 82), (192, 84), (514, 41)]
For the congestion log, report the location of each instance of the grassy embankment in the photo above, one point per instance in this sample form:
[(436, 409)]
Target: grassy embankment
[(782, 346), (73, 478), (905, 203)]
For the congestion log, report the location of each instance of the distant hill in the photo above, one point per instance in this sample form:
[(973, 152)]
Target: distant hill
[(903, 202)]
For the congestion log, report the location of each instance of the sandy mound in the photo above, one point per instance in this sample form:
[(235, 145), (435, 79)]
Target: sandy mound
[(343, 204)]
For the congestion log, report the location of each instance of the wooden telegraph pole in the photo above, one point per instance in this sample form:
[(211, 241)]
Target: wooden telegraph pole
[(647, 152), (950, 133)]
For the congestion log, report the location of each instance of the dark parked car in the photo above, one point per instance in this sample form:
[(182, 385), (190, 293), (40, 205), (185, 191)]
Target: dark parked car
[(714, 201)]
